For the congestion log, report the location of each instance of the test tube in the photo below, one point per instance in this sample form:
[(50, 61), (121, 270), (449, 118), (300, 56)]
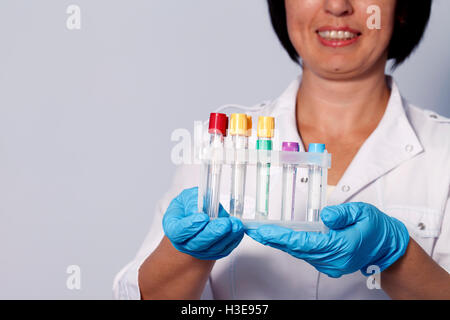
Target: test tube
[(263, 146), (288, 184), (240, 130), (218, 124), (315, 185)]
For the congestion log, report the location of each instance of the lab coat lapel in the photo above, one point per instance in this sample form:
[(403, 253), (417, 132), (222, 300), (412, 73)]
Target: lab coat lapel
[(392, 143), (283, 109)]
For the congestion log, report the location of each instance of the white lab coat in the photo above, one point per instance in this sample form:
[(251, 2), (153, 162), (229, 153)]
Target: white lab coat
[(403, 168)]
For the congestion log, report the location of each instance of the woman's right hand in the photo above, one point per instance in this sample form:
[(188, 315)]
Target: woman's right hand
[(193, 233)]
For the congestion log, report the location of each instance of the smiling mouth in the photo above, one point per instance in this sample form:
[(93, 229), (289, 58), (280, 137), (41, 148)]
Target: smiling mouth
[(337, 37)]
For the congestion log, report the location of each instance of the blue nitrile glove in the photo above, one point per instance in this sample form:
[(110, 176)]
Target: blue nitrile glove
[(193, 233), (360, 236)]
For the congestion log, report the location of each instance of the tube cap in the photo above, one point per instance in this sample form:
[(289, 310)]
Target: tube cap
[(249, 126), (240, 124), (290, 146), (218, 123), (263, 144), (265, 127), (316, 147)]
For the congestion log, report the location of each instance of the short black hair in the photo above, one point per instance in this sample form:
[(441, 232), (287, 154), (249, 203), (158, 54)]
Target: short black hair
[(411, 20)]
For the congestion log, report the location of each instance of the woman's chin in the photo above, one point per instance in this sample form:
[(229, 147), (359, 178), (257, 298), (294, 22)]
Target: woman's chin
[(338, 72), (344, 66)]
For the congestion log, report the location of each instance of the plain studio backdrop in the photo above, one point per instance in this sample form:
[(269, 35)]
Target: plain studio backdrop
[(86, 118)]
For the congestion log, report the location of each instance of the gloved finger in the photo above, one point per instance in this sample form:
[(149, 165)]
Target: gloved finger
[(180, 230), (176, 227), (343, 215), (289, 240), (189, 199), (183, 205), (264, 233), (226, 250), (213, 232), (231, 240), (224, 247), (216, 254), (222, 212)]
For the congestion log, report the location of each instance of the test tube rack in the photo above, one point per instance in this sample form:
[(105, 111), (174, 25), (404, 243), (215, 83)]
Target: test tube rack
[(228, 156)]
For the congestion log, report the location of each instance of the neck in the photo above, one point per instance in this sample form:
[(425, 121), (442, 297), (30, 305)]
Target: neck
[(339, 107)]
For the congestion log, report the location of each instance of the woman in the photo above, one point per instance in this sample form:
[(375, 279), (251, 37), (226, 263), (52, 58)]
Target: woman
[(389, 210)]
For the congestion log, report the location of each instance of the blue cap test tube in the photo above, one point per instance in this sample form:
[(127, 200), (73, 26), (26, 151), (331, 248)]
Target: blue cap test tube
[(315, 187)]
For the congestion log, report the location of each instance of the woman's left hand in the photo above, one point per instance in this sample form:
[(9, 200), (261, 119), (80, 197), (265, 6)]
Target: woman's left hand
[(360, 236)]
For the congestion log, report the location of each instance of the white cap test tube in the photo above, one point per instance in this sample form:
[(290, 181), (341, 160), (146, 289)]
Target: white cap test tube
[(288, 184)]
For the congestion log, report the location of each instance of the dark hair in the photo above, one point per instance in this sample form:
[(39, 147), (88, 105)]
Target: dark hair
[(411, 19)]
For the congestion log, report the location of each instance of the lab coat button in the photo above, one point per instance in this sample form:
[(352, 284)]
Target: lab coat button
[(421, 226), (409, 148), (345, 188)]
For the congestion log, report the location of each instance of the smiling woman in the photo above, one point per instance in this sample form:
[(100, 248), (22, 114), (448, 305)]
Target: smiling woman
[(409, 23), (389, 210)]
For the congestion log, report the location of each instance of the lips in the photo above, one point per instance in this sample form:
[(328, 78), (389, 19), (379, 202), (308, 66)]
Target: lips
[(337, 36)]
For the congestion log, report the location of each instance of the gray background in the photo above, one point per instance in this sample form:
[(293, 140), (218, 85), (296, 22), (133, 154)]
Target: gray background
[(86, 118)]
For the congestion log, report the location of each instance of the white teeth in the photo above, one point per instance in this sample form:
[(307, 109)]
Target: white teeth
[(337, 35), (324, 34)]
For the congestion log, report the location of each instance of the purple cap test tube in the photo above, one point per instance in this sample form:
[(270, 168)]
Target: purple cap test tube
[(290, 146)]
